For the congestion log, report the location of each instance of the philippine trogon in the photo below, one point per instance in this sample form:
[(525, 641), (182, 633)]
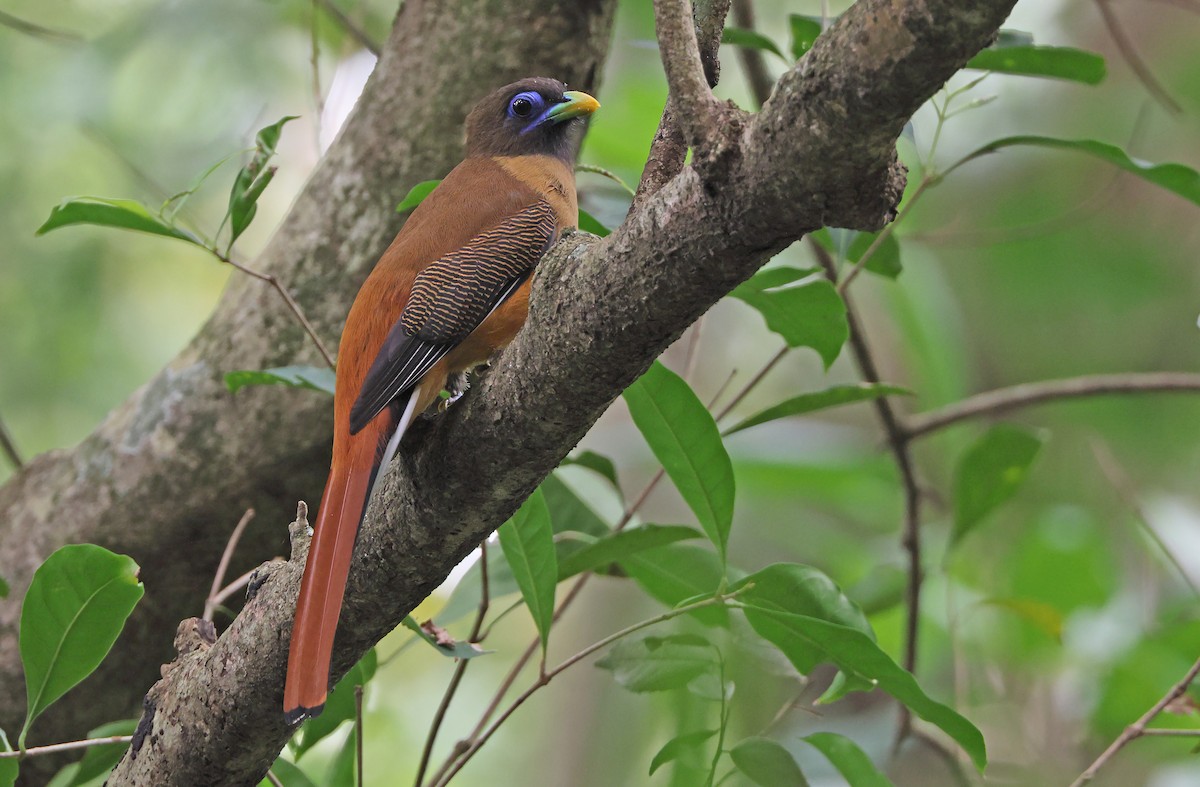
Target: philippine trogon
[(451, 289)]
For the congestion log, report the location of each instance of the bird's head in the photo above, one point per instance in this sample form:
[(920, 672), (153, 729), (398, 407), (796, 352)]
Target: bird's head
[(536, 116)]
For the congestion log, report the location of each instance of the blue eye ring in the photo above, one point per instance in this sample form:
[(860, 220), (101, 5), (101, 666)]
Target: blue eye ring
[(523, 105)]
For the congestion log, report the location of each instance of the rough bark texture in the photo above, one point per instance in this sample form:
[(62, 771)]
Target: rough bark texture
[(821, 152), (168, 474)]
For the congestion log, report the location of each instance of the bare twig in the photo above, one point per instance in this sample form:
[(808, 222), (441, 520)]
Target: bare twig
[(287, 298), (1129, 52), (211, 604), (9, 446), (38, 31), (54, 748), (546, 676), (358, 732), (898, 442), (314, 59), (347, 24), (1005, 399), (1138, 728), (273, 779), (236, 585), (459, 669), (754, 65), (1120, 481)]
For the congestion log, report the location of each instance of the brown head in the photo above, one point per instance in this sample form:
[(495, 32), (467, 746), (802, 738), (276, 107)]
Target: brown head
[(535, 116)]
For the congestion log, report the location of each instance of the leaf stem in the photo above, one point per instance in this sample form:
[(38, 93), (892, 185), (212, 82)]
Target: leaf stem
[(547, 676), (287, 298), (1138, 728), (54, 748), (211, 603)]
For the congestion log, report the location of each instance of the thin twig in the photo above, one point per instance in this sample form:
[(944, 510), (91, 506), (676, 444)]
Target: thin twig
[(1171, 733), (358, 732), (291, 303), (54, 748), (273, 779), (1004, 400), (605, 173), (550, 674), (884, 234), (236, 585), (693, 346), (459, 669), (1120, 481), (898, 442), (754, 64), (1138, 728), (314, 59), (1129, 52), (211, 604), (38, 31), (9, 447), (347, 24)]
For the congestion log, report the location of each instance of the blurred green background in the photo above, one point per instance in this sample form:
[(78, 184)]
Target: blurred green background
[(1024, 265)]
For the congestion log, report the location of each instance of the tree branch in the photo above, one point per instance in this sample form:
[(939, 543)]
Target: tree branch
[(691, 96), (183, 452), (1004, 400), (821, 152)]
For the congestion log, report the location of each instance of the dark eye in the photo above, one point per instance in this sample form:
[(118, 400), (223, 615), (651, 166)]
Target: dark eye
[(524, 105)]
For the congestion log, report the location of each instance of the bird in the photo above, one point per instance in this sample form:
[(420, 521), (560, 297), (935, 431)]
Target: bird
[(450, 290)]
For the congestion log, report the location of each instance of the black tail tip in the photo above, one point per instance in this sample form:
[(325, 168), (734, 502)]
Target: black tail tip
[(296, 715)]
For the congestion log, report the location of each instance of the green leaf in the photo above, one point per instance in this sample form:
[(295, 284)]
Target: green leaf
[(680, 746), (805, 30), (807, 315), (1182, 180), (289, 774), (416, 195), (802, 590), (884, 261), (528, 543), (881, 589), (253, 178), (568, 512), (589, 223), (597, 463), (1058, 62), (8, 767), (677, 572), (819, 400), (751, 39), (464, 599), (852, 245), (852, 651), (460, 649), (99, 760), (767, 763), (339, 707), (316, 378), (658, 663), (990, 473), (617, 546), (125, 214), (683, 436), (267, 138), (76, 606), (3, 588), (852, 762)]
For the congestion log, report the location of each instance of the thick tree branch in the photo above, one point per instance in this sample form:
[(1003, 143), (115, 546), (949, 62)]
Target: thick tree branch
[(161, 477), (691, 96), (822, 152)]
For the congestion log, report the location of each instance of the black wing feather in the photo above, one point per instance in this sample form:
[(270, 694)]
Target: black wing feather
[(449, 300)]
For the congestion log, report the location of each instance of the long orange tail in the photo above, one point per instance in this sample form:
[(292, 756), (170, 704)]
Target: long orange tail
[(320, 602)]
